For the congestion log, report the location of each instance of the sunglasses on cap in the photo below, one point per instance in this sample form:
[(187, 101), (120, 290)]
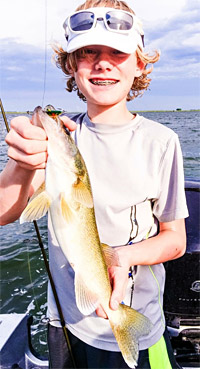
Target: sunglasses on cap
[(115, 20)]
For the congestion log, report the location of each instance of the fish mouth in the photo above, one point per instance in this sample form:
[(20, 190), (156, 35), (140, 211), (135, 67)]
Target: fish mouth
[(103, 82)]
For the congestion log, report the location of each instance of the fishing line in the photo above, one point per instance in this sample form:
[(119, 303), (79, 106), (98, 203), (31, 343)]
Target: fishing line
[(45, 51), (31, 280), (62, 321)]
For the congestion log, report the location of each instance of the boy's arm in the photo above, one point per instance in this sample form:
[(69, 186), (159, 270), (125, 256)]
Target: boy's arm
[(16, 186), (27, 149), (169, 244)]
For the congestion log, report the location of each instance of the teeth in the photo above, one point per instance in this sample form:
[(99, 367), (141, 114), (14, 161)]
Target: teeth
[(103, 83)]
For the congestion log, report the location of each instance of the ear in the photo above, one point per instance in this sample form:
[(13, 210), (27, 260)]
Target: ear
[(71, 73), (69, 69), (139, 68)]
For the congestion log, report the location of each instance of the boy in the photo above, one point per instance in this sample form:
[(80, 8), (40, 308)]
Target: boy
[(136, 173)]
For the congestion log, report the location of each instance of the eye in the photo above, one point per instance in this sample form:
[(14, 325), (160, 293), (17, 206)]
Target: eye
[(90, 51), (87, 52), (118, 52)]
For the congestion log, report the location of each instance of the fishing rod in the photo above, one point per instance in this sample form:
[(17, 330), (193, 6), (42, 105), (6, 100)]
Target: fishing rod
[(4, 116), (62, 320)]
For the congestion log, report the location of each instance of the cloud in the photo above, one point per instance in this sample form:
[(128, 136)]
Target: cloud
[(18, 62), (23, 75), (35, 21), (13, 68), (157, 10), (179, 41), (176, 31), (29, 20), (171, 26)]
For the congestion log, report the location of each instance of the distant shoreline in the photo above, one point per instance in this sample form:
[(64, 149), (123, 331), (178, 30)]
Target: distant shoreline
[(133, 111)]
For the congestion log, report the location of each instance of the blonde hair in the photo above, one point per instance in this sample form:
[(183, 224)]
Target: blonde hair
[(68, 61)]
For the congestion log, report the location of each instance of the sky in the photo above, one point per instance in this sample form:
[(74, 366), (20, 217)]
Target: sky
[(29, 27)]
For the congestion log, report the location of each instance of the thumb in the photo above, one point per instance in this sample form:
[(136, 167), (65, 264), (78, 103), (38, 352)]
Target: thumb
[(117, 287), (70, 124), (114, 301)]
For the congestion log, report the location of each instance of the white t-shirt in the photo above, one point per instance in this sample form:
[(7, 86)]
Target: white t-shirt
[(136, 175)]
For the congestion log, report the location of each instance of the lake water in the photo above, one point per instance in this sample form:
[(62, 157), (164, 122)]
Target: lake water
[(23, 275)]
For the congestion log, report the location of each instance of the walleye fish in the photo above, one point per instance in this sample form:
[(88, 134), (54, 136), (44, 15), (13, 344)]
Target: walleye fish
[(67, 195)]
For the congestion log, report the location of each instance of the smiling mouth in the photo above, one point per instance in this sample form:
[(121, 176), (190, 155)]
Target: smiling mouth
[(103, 82)]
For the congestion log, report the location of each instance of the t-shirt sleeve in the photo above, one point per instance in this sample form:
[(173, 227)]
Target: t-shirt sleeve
[(171, 202)]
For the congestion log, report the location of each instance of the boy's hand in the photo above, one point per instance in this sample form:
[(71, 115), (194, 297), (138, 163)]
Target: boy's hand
[(119, 279), (28, 143)]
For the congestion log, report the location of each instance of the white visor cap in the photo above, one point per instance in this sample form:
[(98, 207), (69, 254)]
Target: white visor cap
[(126, 42)]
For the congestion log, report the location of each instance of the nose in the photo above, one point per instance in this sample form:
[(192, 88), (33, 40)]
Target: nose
[(103, 62)]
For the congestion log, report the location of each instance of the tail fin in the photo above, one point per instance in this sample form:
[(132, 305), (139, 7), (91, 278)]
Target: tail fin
[(128, 325)]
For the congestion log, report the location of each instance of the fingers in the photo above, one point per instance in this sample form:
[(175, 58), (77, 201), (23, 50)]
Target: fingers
[(23, 126), (101, 312), (70, 124), (27, 144), (119, 279), (30, 162)]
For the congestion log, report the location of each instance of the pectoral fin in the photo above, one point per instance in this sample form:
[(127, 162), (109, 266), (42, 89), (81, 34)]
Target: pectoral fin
[(67, 211), (82, 194), (38, 191), (86, 301), (36, 208)]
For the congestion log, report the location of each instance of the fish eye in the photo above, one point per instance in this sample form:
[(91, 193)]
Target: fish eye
[(66, 131)]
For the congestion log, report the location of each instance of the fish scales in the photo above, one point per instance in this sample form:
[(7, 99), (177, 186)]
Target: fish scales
[(67, 195)]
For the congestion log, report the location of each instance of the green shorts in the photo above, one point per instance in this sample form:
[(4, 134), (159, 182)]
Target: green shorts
[(158, 356)]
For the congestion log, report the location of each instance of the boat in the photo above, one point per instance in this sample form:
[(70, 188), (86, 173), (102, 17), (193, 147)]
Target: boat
[(181, 306), (16, 350), (182, 288)]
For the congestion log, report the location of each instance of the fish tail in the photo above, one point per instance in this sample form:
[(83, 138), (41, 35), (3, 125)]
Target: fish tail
[(128, 326)]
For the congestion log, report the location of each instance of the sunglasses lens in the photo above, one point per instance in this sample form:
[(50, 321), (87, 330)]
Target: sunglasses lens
[(119, 21), (81, 21)]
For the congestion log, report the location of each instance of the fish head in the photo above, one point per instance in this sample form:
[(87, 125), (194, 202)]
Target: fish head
[(51, 125), (61, 146), (62, 150)]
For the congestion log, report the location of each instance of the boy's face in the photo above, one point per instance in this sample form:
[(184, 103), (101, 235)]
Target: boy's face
[(105, 75)]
